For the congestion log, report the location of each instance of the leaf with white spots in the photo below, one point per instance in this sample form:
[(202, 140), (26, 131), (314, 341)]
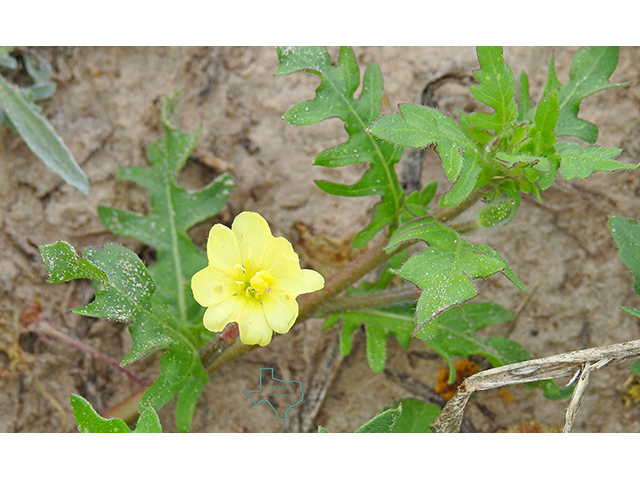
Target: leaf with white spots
[(174, 211), (126, 292), (335, 99), (444, 270)]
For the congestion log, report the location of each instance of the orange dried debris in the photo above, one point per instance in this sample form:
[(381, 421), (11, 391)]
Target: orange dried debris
[(464, 368)]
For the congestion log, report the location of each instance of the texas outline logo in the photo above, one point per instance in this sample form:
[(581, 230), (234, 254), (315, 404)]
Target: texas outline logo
[(273, 389)]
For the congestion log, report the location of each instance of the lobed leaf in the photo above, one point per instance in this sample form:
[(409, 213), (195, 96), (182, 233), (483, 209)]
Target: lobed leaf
[(89, 421), (496, 89), (589, 74), (174, 212), (335, 99), (127, 293), (444, 271), (379, 324), (581, 163)]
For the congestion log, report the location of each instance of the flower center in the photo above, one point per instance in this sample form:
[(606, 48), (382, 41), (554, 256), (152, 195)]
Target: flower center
[(255, 285)]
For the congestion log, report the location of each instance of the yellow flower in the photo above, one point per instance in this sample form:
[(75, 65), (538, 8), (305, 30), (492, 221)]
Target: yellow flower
[(253, 279)]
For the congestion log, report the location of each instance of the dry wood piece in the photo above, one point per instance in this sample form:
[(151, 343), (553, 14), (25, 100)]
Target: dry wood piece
[(577, 364)]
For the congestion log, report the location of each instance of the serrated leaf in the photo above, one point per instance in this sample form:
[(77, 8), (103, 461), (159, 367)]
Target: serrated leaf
[(456, 335), (174, 212), (89, 421), (418, 126), (127, 294), (589, 74), (445, 269), (335, 98), (379, 323), (626, 233), (416, 416), (496, 89), (40, 136), (581, 163)]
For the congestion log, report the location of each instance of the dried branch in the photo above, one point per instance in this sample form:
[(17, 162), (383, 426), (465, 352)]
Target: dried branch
[(571, 364)]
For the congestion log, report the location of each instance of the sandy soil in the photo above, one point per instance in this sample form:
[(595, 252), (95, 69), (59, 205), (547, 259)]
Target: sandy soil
[(106, 109)]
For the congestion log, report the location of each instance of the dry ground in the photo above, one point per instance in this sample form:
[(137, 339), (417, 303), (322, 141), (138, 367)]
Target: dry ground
[(106, 109)]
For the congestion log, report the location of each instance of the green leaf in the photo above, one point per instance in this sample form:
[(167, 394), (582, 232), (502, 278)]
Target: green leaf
[(496, 89), (382, 423), (6, 60), (40, 136), (174, 212), (498, 213), (456, 335), (546, 119), (127, 293), (575, 162), (416, 416), (379, 323), (589, 74), (525, 112), (635, 368), (335, 98), (632, 310), (89, 421), (626, 233), (444, 271), (418, 126)]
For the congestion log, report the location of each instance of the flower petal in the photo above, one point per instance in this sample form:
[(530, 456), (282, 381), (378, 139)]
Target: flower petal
[(280, 311), (253, 325), (217, 317), (223, 251), (280, 259), (254, 238), (211, 287), (309, 281)]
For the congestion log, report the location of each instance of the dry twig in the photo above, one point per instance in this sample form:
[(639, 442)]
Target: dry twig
[(577, 364)]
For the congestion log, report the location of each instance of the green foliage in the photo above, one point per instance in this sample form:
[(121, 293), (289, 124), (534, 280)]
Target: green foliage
[(126, 292), (512, 150), (589, 74), (416, 416), (174, 211), (335, 98), (18, 110), (89, 421), (444, 271), (626, 233), (457, 336), (379, 322), (381, 423)]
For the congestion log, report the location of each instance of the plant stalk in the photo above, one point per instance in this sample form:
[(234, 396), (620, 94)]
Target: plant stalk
[(219, 352)]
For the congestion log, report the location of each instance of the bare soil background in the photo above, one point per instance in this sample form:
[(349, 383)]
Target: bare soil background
[(107, 111)]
